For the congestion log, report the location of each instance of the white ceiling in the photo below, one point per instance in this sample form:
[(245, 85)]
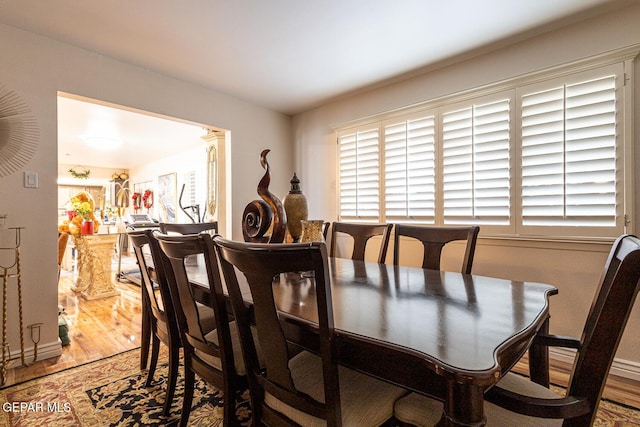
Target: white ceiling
[(287, 55), (142, 138)]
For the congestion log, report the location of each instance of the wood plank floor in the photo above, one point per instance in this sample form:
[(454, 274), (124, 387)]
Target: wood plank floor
[(618, 389), (101, 328), (97, 328)]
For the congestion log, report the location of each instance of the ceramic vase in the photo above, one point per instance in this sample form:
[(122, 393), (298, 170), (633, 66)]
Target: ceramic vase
[(296, 208), (312, 230), (86, 228)]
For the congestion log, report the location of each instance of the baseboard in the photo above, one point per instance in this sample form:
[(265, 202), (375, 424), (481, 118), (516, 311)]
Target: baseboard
[(45, 351), (620, 367)]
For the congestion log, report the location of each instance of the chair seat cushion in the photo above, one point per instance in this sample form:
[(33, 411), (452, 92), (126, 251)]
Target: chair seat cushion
[(207, 318), (237, 350), (365, 401), (420, 410)]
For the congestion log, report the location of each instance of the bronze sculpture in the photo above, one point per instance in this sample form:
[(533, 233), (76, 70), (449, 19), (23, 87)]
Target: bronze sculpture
[(261, 215)]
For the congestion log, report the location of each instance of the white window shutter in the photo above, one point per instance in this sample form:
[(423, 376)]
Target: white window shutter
[(569, 155), (476, 164), (409, 169), (359, 174)]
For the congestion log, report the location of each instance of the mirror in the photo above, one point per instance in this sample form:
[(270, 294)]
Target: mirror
[(212, 181)]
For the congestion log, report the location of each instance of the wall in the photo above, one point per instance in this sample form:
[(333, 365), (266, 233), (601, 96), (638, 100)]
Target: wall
[(574, 268), (36, 68), (193, 160)]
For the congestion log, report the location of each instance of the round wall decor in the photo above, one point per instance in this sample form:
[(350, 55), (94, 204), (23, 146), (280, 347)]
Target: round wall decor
[(19, 134)]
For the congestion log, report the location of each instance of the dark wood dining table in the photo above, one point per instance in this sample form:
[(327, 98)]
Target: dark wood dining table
[(447, 335)]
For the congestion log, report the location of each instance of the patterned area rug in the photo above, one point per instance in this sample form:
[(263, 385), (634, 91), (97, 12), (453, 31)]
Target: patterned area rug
[(111, 392)]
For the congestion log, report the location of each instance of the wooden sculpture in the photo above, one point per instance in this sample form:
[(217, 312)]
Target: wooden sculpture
[(261, 215)]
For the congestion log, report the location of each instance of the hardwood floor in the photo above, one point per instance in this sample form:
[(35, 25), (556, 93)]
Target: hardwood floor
[(97, 329), (101, 328), (618, 389)]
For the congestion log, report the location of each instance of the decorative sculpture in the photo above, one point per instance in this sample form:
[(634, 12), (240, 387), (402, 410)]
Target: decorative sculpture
[(261, 215), (295, 205)]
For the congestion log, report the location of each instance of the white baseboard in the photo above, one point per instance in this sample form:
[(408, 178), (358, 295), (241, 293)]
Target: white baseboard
[(620, 367), (45, 351)]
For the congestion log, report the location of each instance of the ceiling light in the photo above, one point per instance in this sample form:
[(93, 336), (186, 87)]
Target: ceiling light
[(105, 143)]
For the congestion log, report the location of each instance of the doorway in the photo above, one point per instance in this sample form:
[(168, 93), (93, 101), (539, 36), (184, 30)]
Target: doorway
[(114, 152)]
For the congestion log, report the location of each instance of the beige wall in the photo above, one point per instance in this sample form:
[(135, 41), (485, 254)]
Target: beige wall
[(573, 268), (36, 68)]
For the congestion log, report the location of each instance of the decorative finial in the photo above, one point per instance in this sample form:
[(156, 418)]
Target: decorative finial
[(295, 185)]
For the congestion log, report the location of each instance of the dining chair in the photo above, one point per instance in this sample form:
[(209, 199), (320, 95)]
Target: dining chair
[(63, 238), (325, 229), (188, 227), (160, 324), (361, 233), (296, 388), (516, 401), (214, 356), (434, 239)]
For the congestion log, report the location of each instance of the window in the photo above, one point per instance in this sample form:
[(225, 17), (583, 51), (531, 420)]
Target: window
[(409, 169), (360, 174), (476, 163), (571, 155), (532, 158)]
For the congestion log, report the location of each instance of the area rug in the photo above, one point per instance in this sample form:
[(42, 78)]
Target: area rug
[(111, 392)]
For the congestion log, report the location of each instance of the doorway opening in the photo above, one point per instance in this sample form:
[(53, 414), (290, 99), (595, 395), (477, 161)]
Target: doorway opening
[(113, 153)]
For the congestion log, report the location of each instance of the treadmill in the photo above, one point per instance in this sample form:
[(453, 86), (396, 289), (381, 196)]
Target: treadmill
[(133, 222)]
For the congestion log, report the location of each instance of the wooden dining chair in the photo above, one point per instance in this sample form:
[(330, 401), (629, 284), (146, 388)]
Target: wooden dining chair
[(325, 229), (188, 227), (160, 324), (63, 238), (296, 388), (516, 401), (361, 233), (214, 356), (434, 239)]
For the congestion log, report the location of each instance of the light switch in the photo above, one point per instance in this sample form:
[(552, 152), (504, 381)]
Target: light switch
[(31, 179)]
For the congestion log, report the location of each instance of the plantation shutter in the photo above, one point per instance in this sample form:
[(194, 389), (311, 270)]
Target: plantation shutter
[(545, 157), (359, 174), (476, 164), (409, 169), (569, 155)]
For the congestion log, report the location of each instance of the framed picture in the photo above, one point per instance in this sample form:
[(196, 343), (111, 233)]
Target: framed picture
[(167, 197)]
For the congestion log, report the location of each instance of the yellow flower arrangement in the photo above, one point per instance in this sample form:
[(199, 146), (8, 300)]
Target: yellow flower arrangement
[(82, 208), (83, 205)]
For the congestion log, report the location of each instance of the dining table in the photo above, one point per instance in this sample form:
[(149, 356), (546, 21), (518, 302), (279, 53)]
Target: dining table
[(447, 335)]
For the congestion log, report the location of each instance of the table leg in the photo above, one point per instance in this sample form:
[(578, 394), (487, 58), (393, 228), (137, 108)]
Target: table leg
[(539, 359), (464, 406)]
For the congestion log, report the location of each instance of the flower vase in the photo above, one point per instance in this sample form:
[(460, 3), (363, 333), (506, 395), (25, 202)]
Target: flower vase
[(86, 228), (312, 230), (295, 206)]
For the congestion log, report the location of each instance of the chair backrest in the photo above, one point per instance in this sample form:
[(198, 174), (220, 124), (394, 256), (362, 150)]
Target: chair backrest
[(63, 238), (259, 264), (159, 303), (361, 233), (175, 250), (188, 228), (605, 323), (433, 240), (325, 229)]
